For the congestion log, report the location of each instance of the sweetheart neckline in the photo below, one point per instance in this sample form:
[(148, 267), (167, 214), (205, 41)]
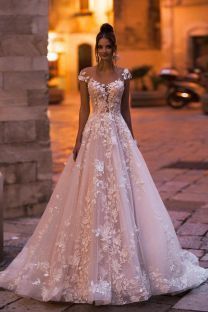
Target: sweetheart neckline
[(106, 84)]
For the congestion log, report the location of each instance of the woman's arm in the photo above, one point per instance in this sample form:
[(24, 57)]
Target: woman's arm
[(84, 110), (125, 110)]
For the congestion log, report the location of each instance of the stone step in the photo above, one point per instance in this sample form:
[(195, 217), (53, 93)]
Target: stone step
[(196, 300)]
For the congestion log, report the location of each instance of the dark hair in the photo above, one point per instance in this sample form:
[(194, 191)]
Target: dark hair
[(106, 31)]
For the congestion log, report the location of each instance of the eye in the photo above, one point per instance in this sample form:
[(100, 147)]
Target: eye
[(109, 46), (99, 46)]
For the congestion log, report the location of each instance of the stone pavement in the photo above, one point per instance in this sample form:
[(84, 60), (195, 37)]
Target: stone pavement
[(175, 147)]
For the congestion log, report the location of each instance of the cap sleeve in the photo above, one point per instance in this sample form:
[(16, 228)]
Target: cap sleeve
[(83, 76), (126, 74)]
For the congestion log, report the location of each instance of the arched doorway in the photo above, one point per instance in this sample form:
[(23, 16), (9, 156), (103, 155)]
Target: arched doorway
[(84, 56)]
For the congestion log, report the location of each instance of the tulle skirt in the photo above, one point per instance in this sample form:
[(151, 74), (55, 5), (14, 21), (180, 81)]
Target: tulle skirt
[(105, 235)]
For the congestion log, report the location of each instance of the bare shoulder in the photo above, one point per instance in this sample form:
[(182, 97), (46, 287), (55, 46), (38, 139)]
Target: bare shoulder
[(89, 70), (119, 69), (125, 73), (122, 69)]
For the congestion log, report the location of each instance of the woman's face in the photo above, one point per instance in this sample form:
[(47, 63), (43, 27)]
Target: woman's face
[(105, 50)]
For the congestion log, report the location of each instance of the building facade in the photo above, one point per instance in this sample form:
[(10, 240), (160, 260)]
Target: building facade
[(160, 33), (185, 32), (74, 25), (138, 29)]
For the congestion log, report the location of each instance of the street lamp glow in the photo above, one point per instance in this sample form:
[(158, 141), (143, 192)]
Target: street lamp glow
[(52, 56)]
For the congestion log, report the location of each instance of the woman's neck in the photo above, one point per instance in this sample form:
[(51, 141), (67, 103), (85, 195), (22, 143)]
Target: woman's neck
[(105, 66)]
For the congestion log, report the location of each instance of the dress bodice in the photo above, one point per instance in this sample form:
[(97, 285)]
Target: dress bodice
[(105, 97)]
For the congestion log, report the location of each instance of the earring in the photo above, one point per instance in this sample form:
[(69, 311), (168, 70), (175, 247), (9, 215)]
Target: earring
[(115, 57), (97, 58)]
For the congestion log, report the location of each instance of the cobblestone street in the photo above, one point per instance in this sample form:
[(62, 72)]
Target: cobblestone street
[(174, 144)]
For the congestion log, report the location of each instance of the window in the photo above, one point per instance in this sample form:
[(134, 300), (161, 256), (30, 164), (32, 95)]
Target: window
[(199, 50)]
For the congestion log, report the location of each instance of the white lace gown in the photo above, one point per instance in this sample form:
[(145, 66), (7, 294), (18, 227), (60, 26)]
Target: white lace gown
[(105, 235)]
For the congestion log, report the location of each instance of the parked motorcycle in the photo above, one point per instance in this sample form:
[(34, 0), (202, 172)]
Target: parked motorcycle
[(182, 90)]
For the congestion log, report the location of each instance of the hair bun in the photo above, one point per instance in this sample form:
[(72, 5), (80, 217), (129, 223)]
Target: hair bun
[(106, 28)]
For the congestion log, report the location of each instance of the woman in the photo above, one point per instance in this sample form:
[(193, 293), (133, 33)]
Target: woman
[(105, 236)]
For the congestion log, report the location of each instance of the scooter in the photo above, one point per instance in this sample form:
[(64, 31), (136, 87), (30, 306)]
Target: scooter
[(182, 90)]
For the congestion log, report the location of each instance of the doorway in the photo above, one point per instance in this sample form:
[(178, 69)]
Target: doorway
[(84, 56), (199, 48)]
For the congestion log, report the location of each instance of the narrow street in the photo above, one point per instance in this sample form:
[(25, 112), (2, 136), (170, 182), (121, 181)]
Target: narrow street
[(174, 144)]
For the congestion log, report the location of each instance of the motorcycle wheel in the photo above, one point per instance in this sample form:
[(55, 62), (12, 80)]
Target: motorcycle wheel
[(175, 102)]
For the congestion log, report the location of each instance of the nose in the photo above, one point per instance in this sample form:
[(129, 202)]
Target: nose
[(104, 49)]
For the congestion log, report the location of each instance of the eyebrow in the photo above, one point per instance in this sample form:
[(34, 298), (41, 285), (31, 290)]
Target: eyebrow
[(108, 45)]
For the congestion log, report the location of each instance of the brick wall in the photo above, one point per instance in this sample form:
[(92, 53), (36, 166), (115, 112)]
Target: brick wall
[(25, 155)]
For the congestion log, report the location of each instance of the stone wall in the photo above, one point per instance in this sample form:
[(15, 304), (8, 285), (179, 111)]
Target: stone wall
[(25, 155), (137, 24)]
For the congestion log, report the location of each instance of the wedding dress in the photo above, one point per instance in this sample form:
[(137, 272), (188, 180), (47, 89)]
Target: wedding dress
[(105, 235)]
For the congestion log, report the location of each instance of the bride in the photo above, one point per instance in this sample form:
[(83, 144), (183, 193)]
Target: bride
[(105, 236)]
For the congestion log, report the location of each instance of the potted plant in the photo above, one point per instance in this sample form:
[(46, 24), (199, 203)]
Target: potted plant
[(138, 75), (146, 91)]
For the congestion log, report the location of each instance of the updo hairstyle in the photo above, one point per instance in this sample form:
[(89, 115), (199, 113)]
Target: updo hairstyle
[(106, 31)]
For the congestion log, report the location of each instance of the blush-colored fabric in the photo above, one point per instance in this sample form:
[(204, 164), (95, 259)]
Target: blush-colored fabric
[(105, 235)]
